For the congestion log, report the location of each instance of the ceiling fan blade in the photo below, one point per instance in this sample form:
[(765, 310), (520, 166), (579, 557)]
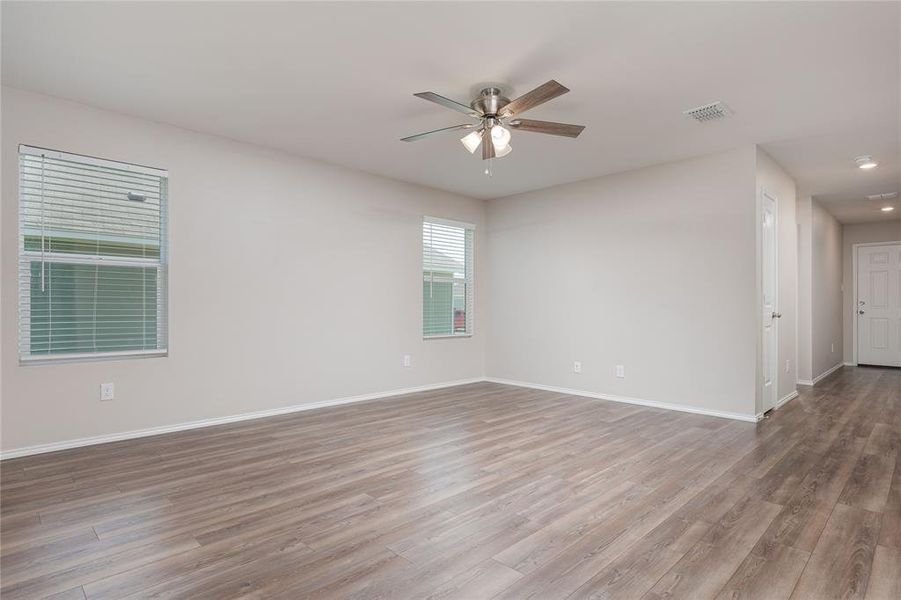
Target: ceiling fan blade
[(419, 136), (448, 103), (529, 100), (487, 145), (548, 127)]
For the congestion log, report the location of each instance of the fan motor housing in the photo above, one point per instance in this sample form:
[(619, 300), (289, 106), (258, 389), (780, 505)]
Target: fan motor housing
[(490, 101)]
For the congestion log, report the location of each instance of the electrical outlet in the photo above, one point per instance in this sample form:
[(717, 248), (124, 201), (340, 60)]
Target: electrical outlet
[(107, 392), (620, 371), (833, 347), (788, 366), (407, 361), (577, 367)]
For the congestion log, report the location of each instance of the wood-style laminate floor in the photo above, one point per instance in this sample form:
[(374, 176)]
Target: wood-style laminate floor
[(479, 491)]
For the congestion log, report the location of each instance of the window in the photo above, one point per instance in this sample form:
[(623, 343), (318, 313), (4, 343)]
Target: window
[(92, 257), (446, 278)]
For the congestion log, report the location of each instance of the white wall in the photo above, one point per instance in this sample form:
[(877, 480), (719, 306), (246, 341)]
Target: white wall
[(292, 282), (820, 335), (859, 233), (805, 285), (771, 177), (295, 282), (826, 291), (653, 269)]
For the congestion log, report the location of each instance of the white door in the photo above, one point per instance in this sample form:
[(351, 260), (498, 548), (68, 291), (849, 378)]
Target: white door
[(770, 297), (879, 305)]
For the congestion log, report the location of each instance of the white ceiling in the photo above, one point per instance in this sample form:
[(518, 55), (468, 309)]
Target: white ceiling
[(814, 83)]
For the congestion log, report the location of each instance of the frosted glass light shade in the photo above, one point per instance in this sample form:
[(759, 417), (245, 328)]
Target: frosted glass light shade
[(500, 137), (471, 141)]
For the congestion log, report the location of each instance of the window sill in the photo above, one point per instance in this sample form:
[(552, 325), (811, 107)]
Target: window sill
[(79, 358), (447, 337)]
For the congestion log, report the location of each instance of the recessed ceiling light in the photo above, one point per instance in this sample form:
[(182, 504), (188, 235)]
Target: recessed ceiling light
[(866, 162), (888, 208)]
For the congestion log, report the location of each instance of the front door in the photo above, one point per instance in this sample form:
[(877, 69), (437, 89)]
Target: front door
[(879, 305)]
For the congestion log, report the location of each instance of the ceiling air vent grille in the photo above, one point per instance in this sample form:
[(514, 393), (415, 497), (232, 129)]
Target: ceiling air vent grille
[(887, 196), (709, 112)]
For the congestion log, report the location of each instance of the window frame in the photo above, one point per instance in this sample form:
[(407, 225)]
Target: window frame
[(29, 257), (468, 279)]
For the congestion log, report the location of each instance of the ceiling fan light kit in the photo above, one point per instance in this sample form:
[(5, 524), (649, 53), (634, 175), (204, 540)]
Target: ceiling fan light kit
[(496, 115)]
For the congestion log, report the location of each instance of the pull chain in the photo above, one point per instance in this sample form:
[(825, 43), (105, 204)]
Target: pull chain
[(42, 225)]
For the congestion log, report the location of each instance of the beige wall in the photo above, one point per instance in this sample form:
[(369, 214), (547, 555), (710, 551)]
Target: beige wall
[(859, 233), (826, 291), (653, 269), (771, 177), (292, 282)]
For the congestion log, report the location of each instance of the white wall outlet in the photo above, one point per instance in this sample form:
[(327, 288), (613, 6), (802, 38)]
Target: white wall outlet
[(833, 347), (620, 371), (407, 360), (577, 367), (107, 392), (788, 366)]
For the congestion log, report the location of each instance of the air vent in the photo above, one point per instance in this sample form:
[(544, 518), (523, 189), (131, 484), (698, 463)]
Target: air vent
[(709, 112), (881, 197)]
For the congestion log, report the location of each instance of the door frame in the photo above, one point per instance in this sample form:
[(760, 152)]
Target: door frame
[(764, 192), (854, 300)]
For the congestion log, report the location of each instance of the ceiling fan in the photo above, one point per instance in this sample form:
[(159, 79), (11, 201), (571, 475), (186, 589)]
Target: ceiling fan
[(495, 113)]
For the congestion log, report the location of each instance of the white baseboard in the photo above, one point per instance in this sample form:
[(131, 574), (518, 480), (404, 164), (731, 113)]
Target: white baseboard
[(827, 373), (850, 364), (786, 398), (139, 433), (823, 375), (627, 400)]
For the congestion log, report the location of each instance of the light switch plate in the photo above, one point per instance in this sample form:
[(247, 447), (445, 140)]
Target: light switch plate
[(107, 392)]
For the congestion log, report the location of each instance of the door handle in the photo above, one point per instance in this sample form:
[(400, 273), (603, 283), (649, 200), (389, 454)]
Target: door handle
[(776, 315), (861, 311)]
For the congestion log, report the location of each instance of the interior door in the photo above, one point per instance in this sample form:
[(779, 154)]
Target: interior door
[(769, 296), (879, 305)]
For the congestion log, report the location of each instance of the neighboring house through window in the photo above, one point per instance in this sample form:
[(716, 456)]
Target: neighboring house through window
[(447, 277), (92, 257)]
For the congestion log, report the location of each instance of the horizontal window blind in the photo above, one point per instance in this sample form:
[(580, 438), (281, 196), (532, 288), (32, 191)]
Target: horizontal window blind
[(92, 257), (447, 277)]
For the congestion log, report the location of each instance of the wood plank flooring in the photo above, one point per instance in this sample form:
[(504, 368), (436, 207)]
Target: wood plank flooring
[(479, 491)]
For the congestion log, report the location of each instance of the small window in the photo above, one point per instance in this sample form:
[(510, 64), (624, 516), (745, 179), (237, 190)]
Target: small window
[(92, 257), (447, 281)]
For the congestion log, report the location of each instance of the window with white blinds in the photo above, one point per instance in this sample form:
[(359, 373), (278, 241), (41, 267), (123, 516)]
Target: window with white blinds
[(92, 257), (447, 281)]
